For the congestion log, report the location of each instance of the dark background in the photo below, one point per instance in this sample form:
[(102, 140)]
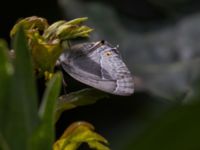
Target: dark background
[(118, 117), (143, 10)]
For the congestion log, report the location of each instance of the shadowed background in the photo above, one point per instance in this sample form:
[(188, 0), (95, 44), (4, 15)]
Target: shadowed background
[(159, 41)]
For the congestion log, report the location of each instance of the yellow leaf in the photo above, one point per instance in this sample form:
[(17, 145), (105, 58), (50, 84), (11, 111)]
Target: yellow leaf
[(30, 24), (49, 33), (64, 30), (77, 21), (78, 133), (44, 54)]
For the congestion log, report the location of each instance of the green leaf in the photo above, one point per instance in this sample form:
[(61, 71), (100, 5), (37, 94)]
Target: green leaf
[(44, 136), (6, 72), (63, 30), (67, 32), (78, 133), (49, 33), (97, 145), (79, 98), (24, 77), (3, 143), (20, 117), (77, 21)]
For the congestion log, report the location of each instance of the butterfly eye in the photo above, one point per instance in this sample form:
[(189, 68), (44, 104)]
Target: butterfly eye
[(109, 53)]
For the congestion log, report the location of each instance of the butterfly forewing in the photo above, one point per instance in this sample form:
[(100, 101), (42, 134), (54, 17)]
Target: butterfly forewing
[(98, 64)]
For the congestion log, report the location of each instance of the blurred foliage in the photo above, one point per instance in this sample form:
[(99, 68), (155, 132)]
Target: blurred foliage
[(178, 128), (22, 125), (165, 61)]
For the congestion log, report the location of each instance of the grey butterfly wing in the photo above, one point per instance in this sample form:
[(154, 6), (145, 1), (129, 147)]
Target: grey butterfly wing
[(116, 67), (99, 65)]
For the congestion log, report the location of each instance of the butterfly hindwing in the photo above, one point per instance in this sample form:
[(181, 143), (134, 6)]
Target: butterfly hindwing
[(98, 64)]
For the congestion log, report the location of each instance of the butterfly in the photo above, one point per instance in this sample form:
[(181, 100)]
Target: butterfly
[(98, 64)]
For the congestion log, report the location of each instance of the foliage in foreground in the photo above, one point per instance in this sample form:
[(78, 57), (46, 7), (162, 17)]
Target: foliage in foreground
[(22, 125)]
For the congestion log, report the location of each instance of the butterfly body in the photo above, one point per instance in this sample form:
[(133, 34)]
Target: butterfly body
[(98, 64)]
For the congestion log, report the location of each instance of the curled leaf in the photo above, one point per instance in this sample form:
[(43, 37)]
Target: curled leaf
[(30, 24), (78, 133)]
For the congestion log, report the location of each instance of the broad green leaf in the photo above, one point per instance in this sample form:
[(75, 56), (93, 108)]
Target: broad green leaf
[(23, 104), (6, 72), (79, 98), (21, 111), (78, 133), (3, 143), (24, 77), (44, 136)]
